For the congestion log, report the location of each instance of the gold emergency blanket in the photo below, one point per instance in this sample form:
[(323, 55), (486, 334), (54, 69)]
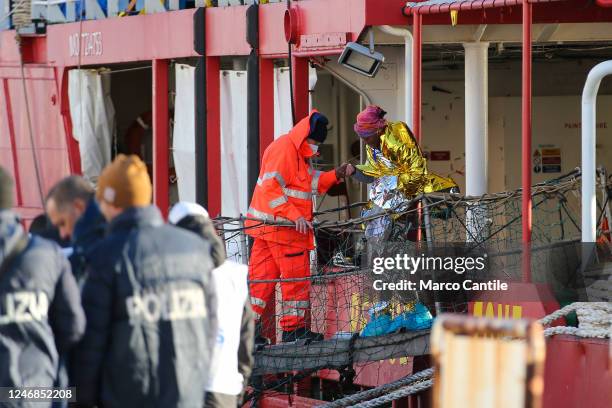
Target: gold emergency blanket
[(403, 159)]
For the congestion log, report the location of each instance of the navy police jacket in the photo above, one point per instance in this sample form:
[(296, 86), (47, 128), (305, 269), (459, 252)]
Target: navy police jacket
[(40, 307), (88, 231), (150, 302)]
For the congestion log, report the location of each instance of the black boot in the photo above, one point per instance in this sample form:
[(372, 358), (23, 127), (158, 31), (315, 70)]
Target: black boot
[(260, 340), (301, 333)]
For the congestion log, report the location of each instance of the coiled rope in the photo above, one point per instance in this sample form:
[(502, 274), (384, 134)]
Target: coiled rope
[(594, 320)]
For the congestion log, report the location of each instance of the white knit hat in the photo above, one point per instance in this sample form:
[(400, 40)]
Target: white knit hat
[(182, 209)]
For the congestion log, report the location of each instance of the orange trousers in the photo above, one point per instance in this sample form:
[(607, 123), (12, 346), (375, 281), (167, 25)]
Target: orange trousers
[(271, 260)]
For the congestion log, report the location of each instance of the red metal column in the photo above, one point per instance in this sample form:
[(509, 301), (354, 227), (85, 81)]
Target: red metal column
[(300, 87), (526, 140), (416, 74), (416, 92), (160, 136), (213, 134), (11, 130), (266, 103)]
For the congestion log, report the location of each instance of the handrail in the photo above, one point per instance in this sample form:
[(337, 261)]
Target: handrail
[(589, 156)]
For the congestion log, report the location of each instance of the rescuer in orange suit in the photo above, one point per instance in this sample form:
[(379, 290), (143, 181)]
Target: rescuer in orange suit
[(284, 193)]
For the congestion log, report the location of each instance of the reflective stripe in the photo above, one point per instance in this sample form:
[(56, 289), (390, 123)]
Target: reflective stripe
[(290, 311), (315, 181), (288, 191), (304, 195), (258, 302), (294, 307), (278, 201), (264, 216), (261, 215), (296, 303), (271, 175)]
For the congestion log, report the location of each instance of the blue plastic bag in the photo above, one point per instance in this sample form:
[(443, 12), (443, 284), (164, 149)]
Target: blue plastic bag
[(419, 318), (377, 326), (380, 320)]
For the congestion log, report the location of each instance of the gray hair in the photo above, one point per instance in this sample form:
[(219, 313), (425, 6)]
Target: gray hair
[(69, 189)]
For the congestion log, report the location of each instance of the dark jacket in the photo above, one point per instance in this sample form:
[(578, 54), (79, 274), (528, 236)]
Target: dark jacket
[(88, 231), (40, 307), (149, 299)]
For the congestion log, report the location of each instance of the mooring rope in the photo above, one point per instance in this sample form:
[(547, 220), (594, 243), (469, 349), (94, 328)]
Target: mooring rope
[(594, 320), (378, 391), (401, 393)]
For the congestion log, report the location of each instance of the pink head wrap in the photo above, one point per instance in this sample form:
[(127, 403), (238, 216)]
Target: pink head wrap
[(370, 121)]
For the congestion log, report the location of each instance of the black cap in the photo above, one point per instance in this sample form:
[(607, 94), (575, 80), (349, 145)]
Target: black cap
[(318, 127), (6, 190)]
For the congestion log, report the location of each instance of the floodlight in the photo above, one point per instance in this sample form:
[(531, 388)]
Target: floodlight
[(361, 59)]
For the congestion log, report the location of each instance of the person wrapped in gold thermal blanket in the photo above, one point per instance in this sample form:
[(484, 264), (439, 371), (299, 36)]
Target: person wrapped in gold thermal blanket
[(395, 166)]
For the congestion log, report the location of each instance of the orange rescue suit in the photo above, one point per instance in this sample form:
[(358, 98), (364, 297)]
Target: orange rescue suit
[(284, 192)]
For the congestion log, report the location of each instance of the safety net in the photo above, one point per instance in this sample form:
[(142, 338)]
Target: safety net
[(372, 334)]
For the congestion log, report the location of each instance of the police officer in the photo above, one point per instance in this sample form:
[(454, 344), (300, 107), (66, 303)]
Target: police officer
[(72, 209), (150, 301), (40, 305)]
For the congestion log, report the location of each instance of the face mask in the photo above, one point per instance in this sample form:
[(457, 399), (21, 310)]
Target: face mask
[(314, 147)]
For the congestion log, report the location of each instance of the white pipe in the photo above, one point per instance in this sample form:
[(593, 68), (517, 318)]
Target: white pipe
[(476, 135), (365, 98), (476, 113), (346, 82), (589, 97), (402, 32)]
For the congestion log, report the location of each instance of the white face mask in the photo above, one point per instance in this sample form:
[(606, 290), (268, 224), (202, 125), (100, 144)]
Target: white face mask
[(314, 147)]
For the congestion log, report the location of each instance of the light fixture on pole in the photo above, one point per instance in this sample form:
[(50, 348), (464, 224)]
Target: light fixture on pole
[(362, 59)]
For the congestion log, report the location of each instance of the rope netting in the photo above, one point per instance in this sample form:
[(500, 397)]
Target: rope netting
[(368, 336)]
